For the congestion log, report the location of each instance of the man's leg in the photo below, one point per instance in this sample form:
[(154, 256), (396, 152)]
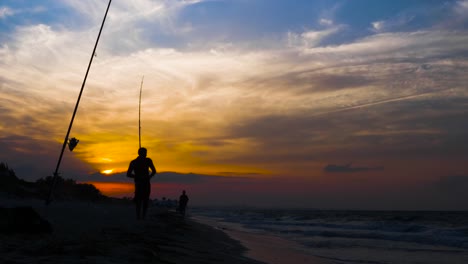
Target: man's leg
[(138, 208), (138, 200), (145, 207)]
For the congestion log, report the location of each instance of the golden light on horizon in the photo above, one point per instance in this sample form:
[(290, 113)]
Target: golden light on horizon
[(101, 151), (107, 171), (111, 153), (114, 188)]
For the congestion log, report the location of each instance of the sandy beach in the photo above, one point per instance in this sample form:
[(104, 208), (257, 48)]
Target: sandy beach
[(109, 233)]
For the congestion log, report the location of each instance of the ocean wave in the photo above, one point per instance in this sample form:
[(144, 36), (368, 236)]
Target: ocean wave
[(448, 229)]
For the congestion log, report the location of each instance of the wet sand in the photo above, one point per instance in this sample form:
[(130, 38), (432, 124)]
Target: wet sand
[(267, 248), (109, 233)]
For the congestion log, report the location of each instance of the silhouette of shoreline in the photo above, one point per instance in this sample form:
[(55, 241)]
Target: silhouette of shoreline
[(108, 232)]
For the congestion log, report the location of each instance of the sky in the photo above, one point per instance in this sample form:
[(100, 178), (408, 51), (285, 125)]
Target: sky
[(336, 104)]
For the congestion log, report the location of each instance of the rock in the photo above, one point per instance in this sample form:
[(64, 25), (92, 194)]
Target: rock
[(22, 220)]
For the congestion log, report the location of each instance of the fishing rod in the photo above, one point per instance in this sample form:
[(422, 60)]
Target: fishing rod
[(139, 113), (74, 141)]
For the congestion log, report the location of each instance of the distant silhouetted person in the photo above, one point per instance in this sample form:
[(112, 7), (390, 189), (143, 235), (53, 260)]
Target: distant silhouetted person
[(139, 171), (183, 200)]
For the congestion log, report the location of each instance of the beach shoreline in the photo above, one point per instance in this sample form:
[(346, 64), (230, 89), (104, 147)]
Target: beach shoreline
[(109, 233), (265, 248)]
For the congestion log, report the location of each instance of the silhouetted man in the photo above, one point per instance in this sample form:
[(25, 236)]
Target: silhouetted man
[(183, 200), (139, 171)]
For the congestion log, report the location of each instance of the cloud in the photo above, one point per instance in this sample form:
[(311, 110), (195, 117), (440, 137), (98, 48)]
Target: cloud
[(448, 192), (378, 25), (355, 132), (194, 90), (167, 177), (459, 19), (238, 174), (347, 168), (397, 23), (311, 38), (32, 159), (6, 12), (231, 103), (461, 7), (161, 177), (325, 22), (419, 44), (457, 183)]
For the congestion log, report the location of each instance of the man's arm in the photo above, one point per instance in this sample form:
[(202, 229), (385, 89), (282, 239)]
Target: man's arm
[(153, 169), (130, 170)]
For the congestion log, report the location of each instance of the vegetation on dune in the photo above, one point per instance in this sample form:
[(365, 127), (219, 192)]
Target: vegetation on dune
[(65, 189)]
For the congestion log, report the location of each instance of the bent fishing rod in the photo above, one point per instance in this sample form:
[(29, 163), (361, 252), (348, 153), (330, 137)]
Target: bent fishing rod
[(74, 141)]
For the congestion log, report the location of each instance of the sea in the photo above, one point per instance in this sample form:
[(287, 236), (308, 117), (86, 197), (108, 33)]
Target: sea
[(345, 237)]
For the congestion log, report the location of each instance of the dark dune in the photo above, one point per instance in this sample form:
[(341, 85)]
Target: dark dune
[(109, 233)]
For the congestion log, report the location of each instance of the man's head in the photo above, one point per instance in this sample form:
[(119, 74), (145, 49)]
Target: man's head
[(142, 152)]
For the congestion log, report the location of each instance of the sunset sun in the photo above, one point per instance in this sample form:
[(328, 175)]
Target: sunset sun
[(107, 171)]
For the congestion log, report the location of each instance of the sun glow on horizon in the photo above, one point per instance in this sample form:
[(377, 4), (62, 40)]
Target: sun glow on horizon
[(107, 171), (117, 189)]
